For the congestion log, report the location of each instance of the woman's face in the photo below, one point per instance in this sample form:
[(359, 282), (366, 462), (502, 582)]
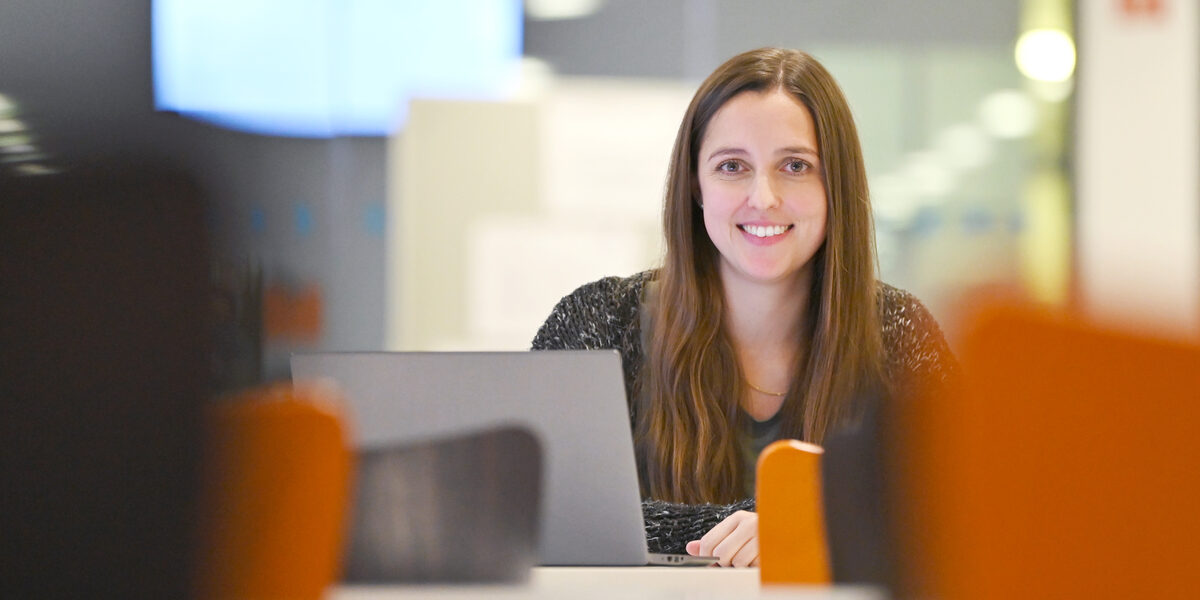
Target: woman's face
[(761, 187)]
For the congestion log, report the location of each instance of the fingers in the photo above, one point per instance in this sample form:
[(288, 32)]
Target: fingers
[(717, 535), (733, 541), (747, 555), (729, 547), (693, 548)]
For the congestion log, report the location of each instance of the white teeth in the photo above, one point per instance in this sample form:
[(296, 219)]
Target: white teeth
[(764, 231)]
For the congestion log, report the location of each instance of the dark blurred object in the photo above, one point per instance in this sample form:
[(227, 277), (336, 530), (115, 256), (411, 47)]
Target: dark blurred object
[(277, 486), (237, 325), (461, 509), (1064, 466), (854, 490), (103, 288)]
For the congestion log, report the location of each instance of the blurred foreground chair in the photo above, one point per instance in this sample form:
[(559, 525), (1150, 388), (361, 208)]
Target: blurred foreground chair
[(1066, 465), (791, 522), (273, 511), (460, 508), (288, 507)]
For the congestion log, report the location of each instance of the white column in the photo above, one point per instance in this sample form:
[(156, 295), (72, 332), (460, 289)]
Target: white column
[(1137, 162)]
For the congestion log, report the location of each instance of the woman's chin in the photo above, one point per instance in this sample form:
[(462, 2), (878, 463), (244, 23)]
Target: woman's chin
[(770, 275)]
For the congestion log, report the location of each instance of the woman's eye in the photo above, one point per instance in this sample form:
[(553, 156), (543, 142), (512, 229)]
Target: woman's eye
[(796, 166), (729, 166)]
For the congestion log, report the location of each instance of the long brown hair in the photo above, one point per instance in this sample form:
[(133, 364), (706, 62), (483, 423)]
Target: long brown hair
[(687, 434)]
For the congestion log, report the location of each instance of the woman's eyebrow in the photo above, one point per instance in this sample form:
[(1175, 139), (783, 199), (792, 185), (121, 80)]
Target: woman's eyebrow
[(724, 151), (733, 150), (798, 150)]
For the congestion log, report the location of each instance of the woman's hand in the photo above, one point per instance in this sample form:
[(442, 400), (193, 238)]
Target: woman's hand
[(734, 541)]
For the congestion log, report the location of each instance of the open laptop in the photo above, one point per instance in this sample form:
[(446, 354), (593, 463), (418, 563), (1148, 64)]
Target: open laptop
[(572, 400)]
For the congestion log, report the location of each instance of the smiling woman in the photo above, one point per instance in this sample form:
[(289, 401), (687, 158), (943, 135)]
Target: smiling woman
[(764, 199), (765, 320)]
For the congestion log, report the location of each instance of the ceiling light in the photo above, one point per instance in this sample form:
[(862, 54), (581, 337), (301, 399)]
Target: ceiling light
[(34, 169), (14, 140), (963, 146), (1008, 114), (17, 148), (11, 126), (558, 10), (18, 158), (928, 174), (1045, 55)]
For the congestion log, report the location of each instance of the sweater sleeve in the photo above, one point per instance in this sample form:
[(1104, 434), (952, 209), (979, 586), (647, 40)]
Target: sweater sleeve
[(669, 526), (917, 351), (579, 321)]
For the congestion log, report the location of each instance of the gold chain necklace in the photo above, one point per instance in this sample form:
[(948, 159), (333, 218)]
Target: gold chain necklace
[(762, 391)]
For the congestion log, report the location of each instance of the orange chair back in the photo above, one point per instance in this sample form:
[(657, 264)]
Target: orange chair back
[(275, 499), (791, 522), (1067, 465)]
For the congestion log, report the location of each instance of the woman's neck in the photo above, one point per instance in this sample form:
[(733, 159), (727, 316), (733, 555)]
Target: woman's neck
[(766, 324), (766, 315)]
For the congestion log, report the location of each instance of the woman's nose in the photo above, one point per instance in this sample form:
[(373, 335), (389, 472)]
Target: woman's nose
[(762, 193)]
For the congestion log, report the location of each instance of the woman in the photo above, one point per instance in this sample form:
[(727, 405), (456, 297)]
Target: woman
[(765, 320)]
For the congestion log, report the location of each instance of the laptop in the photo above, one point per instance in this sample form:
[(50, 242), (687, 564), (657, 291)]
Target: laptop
[(573, 401)]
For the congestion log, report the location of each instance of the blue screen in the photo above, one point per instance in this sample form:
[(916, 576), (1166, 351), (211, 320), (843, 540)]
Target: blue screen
[(322, 68)]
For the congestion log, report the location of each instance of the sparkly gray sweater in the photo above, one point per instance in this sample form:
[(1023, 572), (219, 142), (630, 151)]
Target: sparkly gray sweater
[(605, 314)]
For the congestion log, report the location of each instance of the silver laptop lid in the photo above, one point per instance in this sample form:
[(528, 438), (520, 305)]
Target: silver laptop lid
[(573, 401)]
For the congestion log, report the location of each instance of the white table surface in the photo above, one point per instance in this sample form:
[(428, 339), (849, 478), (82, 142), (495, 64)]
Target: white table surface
[(650, 583)]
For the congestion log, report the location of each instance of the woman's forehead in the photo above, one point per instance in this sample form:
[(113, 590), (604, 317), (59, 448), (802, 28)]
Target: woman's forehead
[(754, 122)]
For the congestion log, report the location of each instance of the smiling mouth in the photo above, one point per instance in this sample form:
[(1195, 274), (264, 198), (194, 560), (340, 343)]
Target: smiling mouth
[(765, 231)]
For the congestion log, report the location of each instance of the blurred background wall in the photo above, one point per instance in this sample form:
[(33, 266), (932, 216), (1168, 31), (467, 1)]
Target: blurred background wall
[(461, 227)]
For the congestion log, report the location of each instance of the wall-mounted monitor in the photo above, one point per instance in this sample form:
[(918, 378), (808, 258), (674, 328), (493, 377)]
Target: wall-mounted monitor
[(323, 68)]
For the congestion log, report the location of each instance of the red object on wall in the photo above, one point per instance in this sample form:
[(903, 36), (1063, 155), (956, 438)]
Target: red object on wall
[(292, 315), (1142, 8)]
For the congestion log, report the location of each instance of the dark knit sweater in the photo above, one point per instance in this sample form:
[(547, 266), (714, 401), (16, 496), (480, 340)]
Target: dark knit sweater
[(606, 314)]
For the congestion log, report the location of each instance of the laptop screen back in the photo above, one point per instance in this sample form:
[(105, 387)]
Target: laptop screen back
[(572, 401)]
